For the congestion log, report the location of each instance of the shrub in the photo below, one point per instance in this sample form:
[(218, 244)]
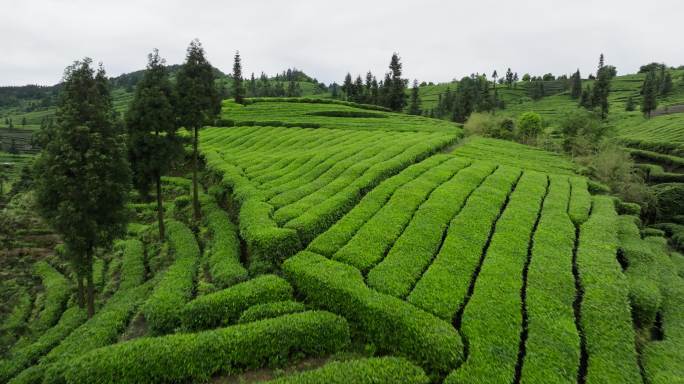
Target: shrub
[(162, 309), (392, 325), (360, 114), (488, 125), (224, 248), (132, 264), (270, 310), (669, 199), (23, 356), (57, 293), (529, 126), (224, 307), (224, 123), (378, 370), (625, 208), (196, 357)]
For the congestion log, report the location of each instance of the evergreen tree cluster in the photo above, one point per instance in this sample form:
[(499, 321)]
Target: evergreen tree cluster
[(596, 97), (390, 92), (473, 94), (275, 87)]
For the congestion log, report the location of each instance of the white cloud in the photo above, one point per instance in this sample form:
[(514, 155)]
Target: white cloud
[(438, 40)]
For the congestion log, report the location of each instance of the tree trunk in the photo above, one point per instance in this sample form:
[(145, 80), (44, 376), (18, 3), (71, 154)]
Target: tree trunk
[(81, 292), (195, 200), (91, 285), (160, 209)]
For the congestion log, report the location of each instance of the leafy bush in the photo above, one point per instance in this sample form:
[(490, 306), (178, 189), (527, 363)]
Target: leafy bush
[(377, 370), (529, 126), (669, 199), (162, 309), (196, 357), (57, 293), (392, 325), (224, 307), (224, 248), (488, 125), (270, 310), (360, 114), (132, 264)]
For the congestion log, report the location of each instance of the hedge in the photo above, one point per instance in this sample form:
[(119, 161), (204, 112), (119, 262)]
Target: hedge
[(57, 292), (224, 307), (493, 320), (657, 157), (392, 325), (580, 200), (421, 240), (224, 248), (605, 309), (270, 310), (552, 349), (371, 242), (100, 330), (345, 191), (661, 359), (315, 101), (162, 309), (669, 197), (675, 232), (377, 370), (443, 288), (198, 356), (343, 230), (359, 114), (132, 264), (20, 312), (24, 356)]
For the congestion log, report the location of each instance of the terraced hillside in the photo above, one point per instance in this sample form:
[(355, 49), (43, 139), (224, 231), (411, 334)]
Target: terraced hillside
[(326, 113), (369, 255)]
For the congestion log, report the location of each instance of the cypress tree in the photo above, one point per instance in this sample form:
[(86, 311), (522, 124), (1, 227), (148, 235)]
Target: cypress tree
[(347, 86), (198, 103), (665, 88), (82, 178), (414, 105), (629, 105), (650, 92), (397, 86), (602, 88), (151, 124), (253, 85), (576, 86), (238, 88)]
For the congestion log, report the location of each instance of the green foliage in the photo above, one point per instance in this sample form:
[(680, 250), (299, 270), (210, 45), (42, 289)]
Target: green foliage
[(101, 330), (132, 271), (82, 174), (224, 247), (415, 248), (492, 320), (16, 319), (196, 357), (377, 370), (488, 125), (24, 356), (270, 310), (580, 200), (57, 292), (392, 325), (650, 93), (529, 126), (582, 132), (224, 307), (605, 309), (372, 241), (414, 105), (238, 87), (198, 100), (151, 125), (163, 308), (344, 229), (669, 197), (443, 288)]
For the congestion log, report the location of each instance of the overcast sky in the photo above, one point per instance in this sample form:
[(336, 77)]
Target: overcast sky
[(437, 40)]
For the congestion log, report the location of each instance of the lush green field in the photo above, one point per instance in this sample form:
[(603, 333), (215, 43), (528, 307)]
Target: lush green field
[(332, 114), (11, 166), (373, 250)]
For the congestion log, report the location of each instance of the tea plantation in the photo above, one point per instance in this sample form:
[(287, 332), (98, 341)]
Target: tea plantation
[(341, 243)]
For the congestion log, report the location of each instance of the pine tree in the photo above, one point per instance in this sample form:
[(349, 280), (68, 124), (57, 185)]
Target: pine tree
[(198, 103), (629, 105), (347, 86), (253, 86), (665, 88), (602, 88), (600, 65), (238, 88), (414, 105), (650, 92), (576, 86), (358, 90), (509, 78), (151, 123), (585, 99), (397, 88), (82, 176)]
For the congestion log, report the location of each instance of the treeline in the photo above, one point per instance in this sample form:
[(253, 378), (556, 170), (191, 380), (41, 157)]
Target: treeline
[(473, 93), (389, 93), (91, 158)]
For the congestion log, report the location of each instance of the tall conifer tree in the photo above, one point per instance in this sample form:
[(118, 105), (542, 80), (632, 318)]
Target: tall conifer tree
[(238, 87)]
